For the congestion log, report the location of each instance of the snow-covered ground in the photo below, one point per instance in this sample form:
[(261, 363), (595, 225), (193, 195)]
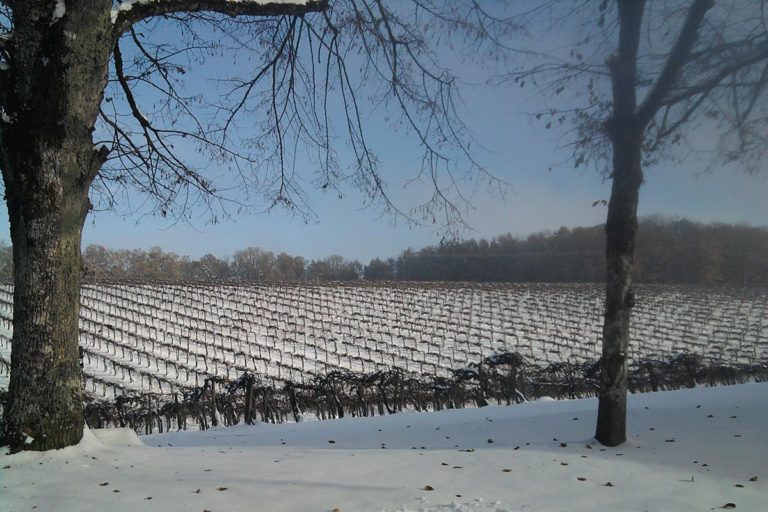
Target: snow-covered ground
[(700, 449)]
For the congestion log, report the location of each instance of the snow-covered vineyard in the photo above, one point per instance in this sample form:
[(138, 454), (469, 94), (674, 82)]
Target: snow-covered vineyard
[(166, 338)]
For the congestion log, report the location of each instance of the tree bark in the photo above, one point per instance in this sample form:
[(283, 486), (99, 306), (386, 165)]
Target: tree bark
[(626, 134), (620, 230), (58, 72), (45, 392)]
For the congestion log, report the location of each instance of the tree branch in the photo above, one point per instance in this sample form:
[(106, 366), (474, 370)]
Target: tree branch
[(760, 54), (131, 12), (623, 65), (675, 61)]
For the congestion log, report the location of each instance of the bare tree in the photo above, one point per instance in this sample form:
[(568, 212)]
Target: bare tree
[(96, 98), (658, 78)]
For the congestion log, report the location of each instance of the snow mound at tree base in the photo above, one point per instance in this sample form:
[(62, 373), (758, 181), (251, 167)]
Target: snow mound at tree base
[(117, 436)]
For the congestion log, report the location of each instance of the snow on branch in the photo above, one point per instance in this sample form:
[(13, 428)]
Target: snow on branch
[(129, 12), (59, 10)]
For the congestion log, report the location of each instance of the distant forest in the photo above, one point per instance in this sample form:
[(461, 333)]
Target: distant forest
[(671, 252), (674, 252)]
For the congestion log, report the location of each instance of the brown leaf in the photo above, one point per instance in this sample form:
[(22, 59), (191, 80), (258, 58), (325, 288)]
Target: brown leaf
[(428, 488)]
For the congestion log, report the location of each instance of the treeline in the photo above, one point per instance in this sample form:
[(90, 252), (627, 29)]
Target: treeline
[(679, 252), (674, 252), (249, 265)]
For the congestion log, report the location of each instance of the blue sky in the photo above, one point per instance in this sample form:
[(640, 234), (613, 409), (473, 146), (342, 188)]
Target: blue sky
[(515, 147)]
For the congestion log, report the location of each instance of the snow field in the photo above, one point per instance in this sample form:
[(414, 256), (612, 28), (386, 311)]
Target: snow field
[(698, 449)]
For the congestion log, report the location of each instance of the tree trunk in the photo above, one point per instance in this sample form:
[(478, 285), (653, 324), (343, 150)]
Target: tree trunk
[(45, 393), (626, 131), (620, 230), (58, 70)]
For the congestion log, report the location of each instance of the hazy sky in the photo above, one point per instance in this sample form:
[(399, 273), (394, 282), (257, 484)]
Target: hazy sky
[(517, 148)]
